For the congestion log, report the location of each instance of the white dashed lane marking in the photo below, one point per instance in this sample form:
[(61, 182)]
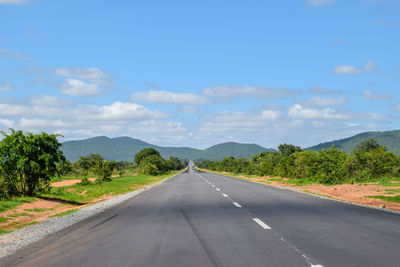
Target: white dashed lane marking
[(225, 195), (261, 223), (237, 204)]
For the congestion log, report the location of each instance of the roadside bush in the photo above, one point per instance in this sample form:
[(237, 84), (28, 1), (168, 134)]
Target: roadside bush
[(368, 161), (150, 162), (85, 181), (104, 170), (28, 161)]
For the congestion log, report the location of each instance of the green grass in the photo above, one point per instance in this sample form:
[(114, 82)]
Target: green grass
[(300, 182), (37, 209), (8, 204), (64, 213), (26, 224), (4, 219), (395, 199), (4, 231), (82, 194), (16, 215)]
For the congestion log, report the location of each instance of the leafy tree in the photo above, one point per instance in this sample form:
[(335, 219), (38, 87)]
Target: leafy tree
[(28, 161), (330, 165), (175, 163), (146, 153), (304, 164), (367, 146), (287, 149), (104, 170), (87, 163)]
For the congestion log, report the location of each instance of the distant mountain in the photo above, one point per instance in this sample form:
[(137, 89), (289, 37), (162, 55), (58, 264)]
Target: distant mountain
[(125, 148), (228, 149), (389, 139)]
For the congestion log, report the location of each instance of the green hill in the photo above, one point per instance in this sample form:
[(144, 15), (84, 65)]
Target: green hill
[(125, 148), (389, 139), (228, 149)]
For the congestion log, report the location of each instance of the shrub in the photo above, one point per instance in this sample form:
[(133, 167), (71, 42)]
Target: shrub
[(104, 170), (28, 161)]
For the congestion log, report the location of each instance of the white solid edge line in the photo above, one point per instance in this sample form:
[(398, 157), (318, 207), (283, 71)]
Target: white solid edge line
[(225, 195), (261, 223), (318, 265), (237, 204)]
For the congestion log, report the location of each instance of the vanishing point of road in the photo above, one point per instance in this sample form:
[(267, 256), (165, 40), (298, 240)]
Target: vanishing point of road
[(203, 219)]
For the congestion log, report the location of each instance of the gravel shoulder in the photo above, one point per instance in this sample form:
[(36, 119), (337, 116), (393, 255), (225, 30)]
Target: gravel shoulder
[(11, 242)]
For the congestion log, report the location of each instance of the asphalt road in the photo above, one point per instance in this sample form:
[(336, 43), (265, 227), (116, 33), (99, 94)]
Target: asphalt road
[(203, 219)]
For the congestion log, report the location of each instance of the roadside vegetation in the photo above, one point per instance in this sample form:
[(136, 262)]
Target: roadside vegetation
[(369, 164), (31, 163)]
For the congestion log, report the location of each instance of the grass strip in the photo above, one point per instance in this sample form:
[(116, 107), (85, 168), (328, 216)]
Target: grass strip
[(8, 204), (394, 199), (83, 194)]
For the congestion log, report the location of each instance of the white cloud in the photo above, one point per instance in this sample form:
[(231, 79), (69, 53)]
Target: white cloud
[(48, 100), (125, 111), (74, 87), (5, 86), (348, 69), (227, 92), (299, 112), (169, 97), (320, 2), (13, 54), (7, 123), (11, 110), (323, 91), (395, 107), (94, 75), (323, 101), (270, 114), (375, 96)]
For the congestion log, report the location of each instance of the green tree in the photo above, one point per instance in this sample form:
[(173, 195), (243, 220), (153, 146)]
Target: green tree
[(104, 170), (87, 163), (146, 153), (367, 146), (287, 149), (28, 161), (175, 163), (330, 166)]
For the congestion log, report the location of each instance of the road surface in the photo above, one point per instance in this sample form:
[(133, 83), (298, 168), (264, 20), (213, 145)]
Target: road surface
[(203, 219)]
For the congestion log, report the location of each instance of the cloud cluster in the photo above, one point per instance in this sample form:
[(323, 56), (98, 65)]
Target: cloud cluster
[(50, 113), (13, 54), (93, 75), (83, 82), (73, 87), (5, 86), (349, 69), (162, 96), (376, 96), (227, 92)]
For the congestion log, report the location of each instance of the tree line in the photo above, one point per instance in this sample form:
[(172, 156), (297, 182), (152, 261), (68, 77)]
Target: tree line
[(369, 161), (29, 161)]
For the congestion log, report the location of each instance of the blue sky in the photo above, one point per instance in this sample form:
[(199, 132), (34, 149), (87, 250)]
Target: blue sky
[(197, 73)]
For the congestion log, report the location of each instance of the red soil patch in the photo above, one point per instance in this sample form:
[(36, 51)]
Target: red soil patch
[(347, 192), (48, 208), (69, 182)]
